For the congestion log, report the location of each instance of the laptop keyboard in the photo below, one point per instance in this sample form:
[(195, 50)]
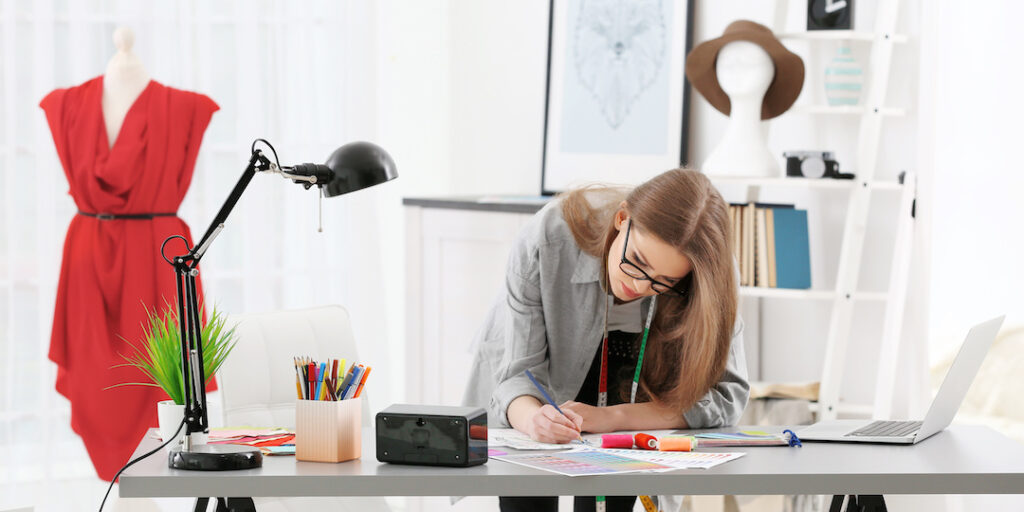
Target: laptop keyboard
[(887, 429)]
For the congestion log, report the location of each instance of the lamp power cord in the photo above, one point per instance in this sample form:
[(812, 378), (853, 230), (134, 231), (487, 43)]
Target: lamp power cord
[(129, 464)]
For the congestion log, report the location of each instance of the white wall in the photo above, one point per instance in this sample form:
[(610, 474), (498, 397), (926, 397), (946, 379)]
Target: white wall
[(498, 70), (978, 183)]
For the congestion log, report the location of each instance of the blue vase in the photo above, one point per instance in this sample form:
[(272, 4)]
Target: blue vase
[(844, 79)]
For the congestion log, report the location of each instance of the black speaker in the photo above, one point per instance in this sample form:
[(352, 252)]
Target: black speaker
[(432, 435)]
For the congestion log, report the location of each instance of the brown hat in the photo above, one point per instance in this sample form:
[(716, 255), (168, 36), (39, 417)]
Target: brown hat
[(789, 68)]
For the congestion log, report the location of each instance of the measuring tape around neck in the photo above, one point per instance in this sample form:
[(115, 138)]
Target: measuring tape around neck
[(602, 388)]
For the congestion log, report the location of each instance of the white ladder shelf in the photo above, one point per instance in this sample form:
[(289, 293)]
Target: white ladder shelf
[(872, 112)]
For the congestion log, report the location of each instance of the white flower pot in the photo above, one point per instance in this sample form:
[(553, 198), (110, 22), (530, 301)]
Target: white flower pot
[(169, 416)]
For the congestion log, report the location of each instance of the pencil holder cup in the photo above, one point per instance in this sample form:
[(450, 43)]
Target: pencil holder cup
[(327, 431)]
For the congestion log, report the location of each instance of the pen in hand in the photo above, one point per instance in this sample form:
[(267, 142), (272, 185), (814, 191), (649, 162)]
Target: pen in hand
[(579, 437)]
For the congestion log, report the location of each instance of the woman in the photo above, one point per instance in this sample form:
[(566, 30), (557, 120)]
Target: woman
[(580, 282)]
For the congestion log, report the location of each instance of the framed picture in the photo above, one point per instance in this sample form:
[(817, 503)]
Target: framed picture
[(617, 95)]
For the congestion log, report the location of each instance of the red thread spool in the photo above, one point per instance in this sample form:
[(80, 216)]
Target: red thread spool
[(478, 431), (616, 441), (645, 441)]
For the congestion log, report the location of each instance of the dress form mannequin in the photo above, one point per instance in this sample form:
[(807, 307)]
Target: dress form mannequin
[(123, 81), (745, 70), (111, 272)]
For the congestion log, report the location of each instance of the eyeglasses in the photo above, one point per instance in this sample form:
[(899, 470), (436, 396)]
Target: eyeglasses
[(633, 270)]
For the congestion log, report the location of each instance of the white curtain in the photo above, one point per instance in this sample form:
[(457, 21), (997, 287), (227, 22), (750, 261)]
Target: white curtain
[(293, 73), (977, 108)]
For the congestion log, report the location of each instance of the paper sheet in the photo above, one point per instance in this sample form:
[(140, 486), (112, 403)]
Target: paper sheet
[(231, 432), (278, 450), (512, 438)]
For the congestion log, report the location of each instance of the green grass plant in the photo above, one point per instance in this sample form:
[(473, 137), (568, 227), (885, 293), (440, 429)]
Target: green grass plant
[(158, 354)]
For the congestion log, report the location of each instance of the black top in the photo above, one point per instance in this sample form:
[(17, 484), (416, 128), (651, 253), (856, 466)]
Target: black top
[(623, 348)]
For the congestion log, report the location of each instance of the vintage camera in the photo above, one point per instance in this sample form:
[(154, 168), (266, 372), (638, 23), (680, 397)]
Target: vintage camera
[(813, 164)]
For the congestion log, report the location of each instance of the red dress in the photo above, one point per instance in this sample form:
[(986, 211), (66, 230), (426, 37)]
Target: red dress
[(112, 269)]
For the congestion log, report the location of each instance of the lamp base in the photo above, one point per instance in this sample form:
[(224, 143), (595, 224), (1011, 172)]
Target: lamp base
[(215, 457)]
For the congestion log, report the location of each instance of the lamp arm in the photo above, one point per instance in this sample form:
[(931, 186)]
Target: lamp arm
[(310, 180), (257, 162)]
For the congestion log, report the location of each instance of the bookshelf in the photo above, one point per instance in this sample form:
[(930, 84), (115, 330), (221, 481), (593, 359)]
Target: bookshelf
[(842, 35), (804, 183), (869, 115), (846, 408), (848, 110), (786, 293)]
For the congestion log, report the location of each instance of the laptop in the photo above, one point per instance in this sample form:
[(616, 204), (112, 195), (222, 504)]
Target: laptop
[(944, 406)]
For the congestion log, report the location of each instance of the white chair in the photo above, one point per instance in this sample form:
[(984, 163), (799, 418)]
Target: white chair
[(257, 381)]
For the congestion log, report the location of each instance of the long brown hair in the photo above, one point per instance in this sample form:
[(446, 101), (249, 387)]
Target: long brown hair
[(688, 346)]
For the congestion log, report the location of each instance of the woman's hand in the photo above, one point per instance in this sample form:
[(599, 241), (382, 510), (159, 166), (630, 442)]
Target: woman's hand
[(547, 425), (543, 422), (595, 419)]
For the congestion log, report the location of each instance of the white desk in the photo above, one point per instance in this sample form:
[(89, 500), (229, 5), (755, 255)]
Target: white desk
[(960, 460)]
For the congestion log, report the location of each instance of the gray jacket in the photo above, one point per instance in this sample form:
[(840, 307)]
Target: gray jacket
[(548, 319)]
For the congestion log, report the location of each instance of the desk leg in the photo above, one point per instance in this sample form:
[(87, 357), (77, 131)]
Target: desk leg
[(858, 503), (235, 505), (227, 505)]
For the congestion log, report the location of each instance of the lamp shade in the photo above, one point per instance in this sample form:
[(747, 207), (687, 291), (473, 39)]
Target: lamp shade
[(358, 165)]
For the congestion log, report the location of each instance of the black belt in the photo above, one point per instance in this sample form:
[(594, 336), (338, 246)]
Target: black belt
[(132, 216)]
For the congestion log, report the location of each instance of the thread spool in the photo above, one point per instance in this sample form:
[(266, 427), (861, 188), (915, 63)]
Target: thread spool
[(677, 443), (478, 431), (645, 441), (616, 441)]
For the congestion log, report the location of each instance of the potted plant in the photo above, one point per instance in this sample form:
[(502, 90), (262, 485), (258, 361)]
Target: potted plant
[(158, 356)]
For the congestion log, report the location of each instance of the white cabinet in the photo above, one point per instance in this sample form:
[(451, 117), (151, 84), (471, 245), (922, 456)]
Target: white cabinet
[(455, 266), (456, 252)]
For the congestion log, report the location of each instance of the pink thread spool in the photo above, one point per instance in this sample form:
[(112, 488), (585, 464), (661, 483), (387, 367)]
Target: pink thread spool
[(616, 441)]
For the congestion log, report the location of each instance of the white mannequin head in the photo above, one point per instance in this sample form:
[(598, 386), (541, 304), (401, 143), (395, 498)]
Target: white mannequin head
[(125, 64), (123, 81), (124, 39), (745, 70)]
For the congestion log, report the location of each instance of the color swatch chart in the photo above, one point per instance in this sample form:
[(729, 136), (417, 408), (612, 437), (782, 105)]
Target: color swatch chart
[(584, 461)]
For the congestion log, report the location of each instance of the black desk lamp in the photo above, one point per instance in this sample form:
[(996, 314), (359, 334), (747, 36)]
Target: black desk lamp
[(352, 167)]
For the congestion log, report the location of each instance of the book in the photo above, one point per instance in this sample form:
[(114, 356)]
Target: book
[(798, 390), (749, 242), (761, 237), (734, 225), (755, 245), (792, 249), (770, 232), (746, 438), (737, 234)]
